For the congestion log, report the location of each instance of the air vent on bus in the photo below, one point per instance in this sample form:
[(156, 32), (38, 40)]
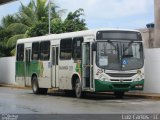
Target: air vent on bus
[(121, 74), (121, 85)]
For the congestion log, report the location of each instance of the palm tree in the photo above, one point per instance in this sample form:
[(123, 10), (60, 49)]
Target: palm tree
[(5, 35), (29, 17)]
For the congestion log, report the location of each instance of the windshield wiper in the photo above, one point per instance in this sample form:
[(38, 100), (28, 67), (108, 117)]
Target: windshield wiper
[(111, 43), (127, 46)]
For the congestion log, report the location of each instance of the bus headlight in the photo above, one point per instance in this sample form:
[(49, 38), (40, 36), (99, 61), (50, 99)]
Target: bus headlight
[(139, 72), (139, 77), (103, 77)]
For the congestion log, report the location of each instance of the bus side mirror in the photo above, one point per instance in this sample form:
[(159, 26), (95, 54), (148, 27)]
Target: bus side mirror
[(94, 46)]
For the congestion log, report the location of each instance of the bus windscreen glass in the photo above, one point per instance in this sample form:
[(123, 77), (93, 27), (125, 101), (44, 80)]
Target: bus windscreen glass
[(120, 55)]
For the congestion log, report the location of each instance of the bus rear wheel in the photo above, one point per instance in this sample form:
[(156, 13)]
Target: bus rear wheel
[(35, 87), (78, 89)]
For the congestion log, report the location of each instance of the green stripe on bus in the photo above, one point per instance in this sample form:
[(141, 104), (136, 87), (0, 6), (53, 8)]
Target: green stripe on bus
[(26, 69)]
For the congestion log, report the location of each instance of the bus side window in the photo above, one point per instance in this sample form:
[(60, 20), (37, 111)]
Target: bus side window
[(45, 50), (35, 51), (77, 47), (20, 52), (66, 49)]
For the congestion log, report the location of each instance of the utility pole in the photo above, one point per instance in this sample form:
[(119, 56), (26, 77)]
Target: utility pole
[(49, 17), (48, 4), (157, 24)]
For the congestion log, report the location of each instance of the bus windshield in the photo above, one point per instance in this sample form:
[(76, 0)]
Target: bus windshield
[(115, 55)]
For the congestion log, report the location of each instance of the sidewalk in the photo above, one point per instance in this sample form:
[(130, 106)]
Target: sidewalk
[(130, 94), (144, 95), (14, 86)]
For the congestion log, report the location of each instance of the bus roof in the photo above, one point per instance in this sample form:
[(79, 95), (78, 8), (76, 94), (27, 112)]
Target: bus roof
[(69, 34)]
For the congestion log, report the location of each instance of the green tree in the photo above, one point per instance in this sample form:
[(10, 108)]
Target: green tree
[(32, 20), (73, 22), (3, 39), (57, 26), (5, 35)]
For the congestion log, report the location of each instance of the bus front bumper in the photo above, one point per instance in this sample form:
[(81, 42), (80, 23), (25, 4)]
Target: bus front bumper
[(105, 86)]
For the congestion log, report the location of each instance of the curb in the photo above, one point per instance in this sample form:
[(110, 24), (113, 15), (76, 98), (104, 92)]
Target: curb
[(14, 86), (155, 96), (144, 95)]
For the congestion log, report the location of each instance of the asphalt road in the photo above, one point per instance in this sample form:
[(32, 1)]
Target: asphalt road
[(19, 101), (23, 101)]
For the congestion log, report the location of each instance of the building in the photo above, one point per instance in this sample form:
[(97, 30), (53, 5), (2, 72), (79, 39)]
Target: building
[(157, 23), (148, 35)]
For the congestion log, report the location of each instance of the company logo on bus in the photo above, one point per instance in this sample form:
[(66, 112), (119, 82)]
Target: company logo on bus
[(121, 80)]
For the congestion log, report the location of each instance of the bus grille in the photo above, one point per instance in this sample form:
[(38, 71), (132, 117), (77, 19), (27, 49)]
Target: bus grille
[(120, 80), (121, 74), (121, 85)]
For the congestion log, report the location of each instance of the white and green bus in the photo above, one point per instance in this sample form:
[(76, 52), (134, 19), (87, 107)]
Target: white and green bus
[(101, 60)]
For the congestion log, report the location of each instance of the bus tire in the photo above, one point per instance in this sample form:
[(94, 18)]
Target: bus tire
[(119, 94), (35, 86), (78, 89)]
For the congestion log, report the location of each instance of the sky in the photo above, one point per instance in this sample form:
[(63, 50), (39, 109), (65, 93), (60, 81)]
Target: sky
[(129, 14)]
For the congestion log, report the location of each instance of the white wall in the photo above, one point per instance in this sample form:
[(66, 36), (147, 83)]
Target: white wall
[(7, 70), (152, 70)]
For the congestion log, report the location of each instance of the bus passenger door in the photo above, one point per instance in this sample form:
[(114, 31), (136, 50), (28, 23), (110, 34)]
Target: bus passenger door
[(86, 66), (55, 52), (27, 65)]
